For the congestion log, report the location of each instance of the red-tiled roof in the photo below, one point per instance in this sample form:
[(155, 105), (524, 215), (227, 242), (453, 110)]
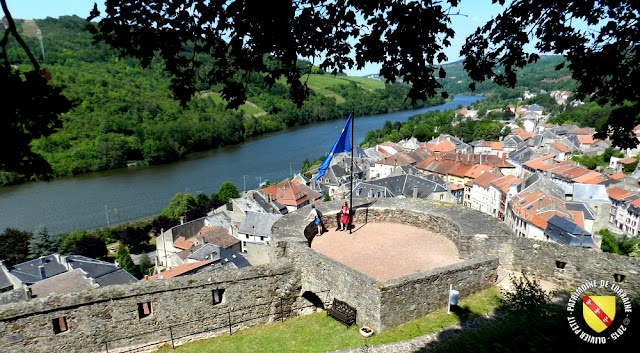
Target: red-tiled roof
[(542, 163), (444, 146), (455, 187), (616, 176), (183, 243), (496, 146), (392, 145), (522, 133), (182, 269), (560, 147), (537, 208), (617, 193), (477, 170), (505, 182), (286, 193), (584, 131), (588, 176), (636, 203), (586, 139), (627, 160), (218, 236), (486, 178), (459, 169)]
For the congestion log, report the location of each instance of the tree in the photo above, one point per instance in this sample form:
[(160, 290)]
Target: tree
[(90, 247), (609, 242), (42, 243), (163, 223), (14, 246), (227, 191), (134, 238), (603, 58), (69, 241), (326, 197), (30, 108), (145, 265), (179, 205), (124, 260), (406, 37)]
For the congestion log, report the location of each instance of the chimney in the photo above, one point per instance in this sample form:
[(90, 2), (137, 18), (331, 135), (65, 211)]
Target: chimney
[(458, 159), (42, 260), (181, 220), (271, 210), (41, 269), (415, 192)]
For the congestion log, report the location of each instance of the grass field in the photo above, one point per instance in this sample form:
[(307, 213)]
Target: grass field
[(319, 333), (247, 108)]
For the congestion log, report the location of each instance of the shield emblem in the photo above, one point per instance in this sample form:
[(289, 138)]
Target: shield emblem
[(598, 311)]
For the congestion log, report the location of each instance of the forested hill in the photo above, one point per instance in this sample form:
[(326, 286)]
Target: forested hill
[(126, 114), (534, 77)]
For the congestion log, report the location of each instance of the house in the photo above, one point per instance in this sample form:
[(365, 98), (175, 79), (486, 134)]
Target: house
[(619, 165), (409, 186), (288, 194), (481, 198), (528, 213), (386, 167), (596, 198), (560, 230), (56, 274), (502, 190), (621, 200), (256, 228)]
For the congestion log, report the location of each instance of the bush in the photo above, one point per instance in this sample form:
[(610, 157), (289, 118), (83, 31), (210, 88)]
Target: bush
[(527, 296), (135, 238), (90, 247)]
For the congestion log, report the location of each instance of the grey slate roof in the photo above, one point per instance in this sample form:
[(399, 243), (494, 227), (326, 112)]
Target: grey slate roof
[(68, 282), (5, 283), (258, 224), (561, 230), (590, 193), (401, 185), (28, 272), (579, 206), (522, 155), (219, 255)]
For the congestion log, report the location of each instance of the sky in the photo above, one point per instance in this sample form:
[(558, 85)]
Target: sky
[(477, 13)]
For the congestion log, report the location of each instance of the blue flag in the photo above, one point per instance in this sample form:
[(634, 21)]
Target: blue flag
[(343, 144)]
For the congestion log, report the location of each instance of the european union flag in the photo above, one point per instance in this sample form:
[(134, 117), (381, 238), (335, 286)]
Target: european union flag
[(343, 144)]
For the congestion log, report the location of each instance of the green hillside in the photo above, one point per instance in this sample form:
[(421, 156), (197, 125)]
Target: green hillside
[(126, 114)]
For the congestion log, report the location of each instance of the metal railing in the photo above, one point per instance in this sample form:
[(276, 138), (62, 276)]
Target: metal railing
[(222, 320)]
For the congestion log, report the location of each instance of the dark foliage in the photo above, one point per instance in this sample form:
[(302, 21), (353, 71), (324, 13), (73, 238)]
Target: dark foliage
[(407, 38), (134, 238), (14, 246), (90, 247), (30, 108), (603, 59), (162, 223)]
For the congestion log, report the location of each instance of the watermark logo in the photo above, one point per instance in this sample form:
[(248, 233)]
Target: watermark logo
[(599, 313)]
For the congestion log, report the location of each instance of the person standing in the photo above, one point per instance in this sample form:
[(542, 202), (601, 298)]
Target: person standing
[(345, 216), (316, 218)]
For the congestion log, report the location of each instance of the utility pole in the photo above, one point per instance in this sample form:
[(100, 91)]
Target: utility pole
[(244, 183), (106, 212), (39, 33)]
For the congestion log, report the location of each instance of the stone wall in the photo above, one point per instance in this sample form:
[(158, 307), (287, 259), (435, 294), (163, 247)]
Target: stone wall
[(539, 258), (329, 279), (411, 297), (185, 230), (383, 305), (112, 313)]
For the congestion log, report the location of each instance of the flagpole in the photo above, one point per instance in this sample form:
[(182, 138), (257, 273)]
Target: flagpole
[(351, 187)]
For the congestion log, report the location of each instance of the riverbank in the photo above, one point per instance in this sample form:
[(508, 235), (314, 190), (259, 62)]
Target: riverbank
[(83, 202)]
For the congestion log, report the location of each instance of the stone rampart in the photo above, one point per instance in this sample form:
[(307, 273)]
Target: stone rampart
[(383, 305), (565, 265), (140, 313)]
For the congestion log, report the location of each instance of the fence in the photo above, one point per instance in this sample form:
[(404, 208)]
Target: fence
[(224, 320)]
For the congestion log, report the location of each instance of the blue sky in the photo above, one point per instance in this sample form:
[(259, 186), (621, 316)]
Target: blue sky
[(477, 13)]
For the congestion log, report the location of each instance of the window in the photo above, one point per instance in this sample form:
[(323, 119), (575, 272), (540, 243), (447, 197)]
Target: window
[(218, 295), (261, 238), (247, 236), (441, 197), (144, 310), (60, 325)]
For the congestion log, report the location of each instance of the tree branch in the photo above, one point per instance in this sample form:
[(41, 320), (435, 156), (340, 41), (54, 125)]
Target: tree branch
[(12, 29)]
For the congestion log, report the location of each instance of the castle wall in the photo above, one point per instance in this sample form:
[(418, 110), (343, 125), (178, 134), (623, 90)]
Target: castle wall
[(539, 258), (251, 296), (411, 297)]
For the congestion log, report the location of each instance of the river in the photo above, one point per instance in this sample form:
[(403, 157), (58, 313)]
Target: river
[(93, 200)]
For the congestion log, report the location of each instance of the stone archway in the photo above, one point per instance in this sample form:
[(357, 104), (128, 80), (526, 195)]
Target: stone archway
[(313, 299)]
